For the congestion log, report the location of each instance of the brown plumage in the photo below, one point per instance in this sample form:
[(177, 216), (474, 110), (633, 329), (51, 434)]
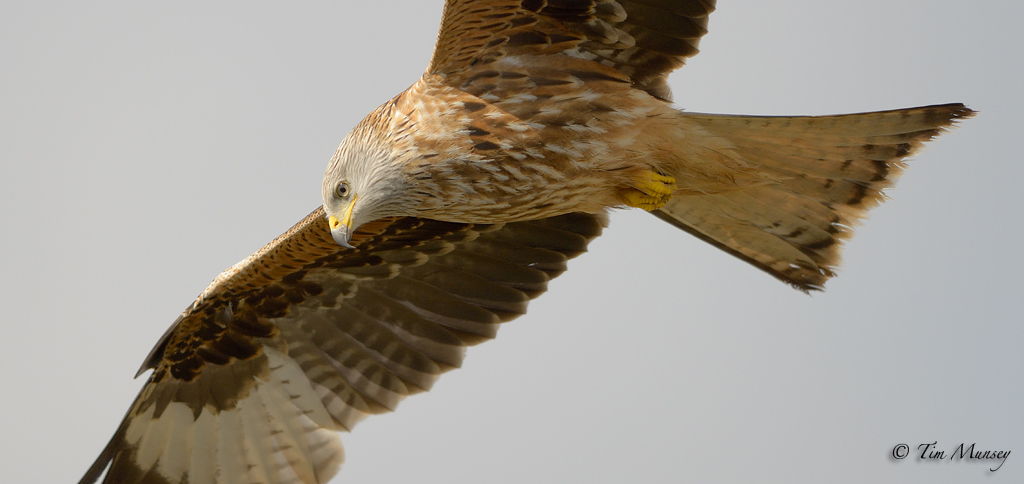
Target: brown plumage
[(534, 109), (461, 198), (305, 338)]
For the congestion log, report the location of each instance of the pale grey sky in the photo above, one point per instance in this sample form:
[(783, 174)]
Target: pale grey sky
[(147, 146)]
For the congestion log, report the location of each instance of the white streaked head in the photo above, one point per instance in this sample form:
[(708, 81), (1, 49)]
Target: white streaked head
[(365, 181)]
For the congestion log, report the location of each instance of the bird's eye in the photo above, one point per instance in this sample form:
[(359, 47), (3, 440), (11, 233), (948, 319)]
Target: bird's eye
[(342, 190)]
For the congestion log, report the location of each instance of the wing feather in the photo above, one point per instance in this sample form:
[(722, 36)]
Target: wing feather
[(642, 39), (306, 338)]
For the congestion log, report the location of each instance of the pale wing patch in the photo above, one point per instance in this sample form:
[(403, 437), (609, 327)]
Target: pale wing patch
[(279, 433)]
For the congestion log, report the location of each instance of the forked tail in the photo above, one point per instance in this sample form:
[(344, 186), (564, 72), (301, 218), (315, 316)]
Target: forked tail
[(830, 171)]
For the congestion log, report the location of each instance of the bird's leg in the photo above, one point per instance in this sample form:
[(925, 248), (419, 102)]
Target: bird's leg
[(650, 190)]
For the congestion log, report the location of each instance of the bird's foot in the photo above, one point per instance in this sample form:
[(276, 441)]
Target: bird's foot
[(650, 191)]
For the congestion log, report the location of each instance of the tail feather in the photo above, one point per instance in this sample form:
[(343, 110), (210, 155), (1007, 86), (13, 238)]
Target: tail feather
[(873, 124), (828, 171)]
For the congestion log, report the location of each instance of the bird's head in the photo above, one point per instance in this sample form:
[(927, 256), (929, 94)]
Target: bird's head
[(364, 182)]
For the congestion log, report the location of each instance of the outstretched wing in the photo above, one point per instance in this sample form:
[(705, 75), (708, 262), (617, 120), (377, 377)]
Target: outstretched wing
[(306, 338), (642, 40)]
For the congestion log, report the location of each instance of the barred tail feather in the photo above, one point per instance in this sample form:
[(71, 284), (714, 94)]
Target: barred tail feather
[(828, 171)]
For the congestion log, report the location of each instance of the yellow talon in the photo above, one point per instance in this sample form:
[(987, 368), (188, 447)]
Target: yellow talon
[(651, 191), (653, 183)]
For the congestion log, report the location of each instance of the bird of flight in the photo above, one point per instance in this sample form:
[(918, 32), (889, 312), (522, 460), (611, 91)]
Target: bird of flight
[(453, 204)]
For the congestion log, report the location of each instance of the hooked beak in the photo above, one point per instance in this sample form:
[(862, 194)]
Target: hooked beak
[(341, 230)]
